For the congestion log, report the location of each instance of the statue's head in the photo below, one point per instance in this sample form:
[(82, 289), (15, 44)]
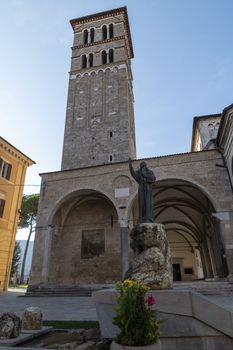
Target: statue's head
[(143, 165)]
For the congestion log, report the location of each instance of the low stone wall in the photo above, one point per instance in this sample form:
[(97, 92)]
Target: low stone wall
[(187, 314)]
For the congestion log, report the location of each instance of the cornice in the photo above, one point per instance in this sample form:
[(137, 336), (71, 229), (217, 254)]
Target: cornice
[(97, 42), (98, 16), (122, 37), (107, 14), (77, 72), (8, 148)]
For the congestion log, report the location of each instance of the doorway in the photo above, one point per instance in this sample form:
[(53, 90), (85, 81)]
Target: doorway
[(176, 272)]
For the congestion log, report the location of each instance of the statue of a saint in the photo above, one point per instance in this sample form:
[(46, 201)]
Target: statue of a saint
[(145, 178)]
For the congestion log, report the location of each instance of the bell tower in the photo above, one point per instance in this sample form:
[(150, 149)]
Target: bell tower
[(100, 118)]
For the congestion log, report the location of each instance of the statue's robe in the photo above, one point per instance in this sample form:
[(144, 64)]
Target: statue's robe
[(145, 178)]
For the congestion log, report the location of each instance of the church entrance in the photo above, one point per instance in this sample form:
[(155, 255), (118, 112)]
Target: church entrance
[(192, 230), (176, 272)]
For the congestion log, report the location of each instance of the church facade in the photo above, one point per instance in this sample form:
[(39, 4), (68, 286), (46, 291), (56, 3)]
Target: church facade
[(87, 209)]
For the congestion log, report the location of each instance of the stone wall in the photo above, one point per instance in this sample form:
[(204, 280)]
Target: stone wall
[(99, 119), (86, 249), (114, 184)]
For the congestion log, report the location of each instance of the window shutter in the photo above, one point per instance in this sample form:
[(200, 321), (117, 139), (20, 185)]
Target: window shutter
[(8, 174), (2, 204)]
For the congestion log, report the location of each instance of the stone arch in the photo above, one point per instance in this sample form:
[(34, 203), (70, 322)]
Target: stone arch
[(111, 30), (92, 35), (104, 32), (104, 57), (69, 195), (85, 242), (198, 185), (122, 181), (111, 55), (115, 69), (186, 209), (90, 59), (85, 36)]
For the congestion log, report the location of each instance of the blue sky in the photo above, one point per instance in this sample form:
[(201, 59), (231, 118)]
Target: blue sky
[(183, 67)]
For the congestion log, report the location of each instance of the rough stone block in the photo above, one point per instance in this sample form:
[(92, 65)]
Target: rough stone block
[(32, 318), (152, 260), (10, 325)]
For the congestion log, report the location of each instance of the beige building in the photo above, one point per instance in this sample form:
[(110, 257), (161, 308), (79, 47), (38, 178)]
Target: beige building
[(87, 209), (13, 166)]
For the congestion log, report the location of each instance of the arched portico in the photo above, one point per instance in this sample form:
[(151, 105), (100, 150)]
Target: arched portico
[(192, 230), (85, 240)]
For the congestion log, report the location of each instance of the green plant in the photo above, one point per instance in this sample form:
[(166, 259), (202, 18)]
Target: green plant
[(28, 216), (15, 259), (134, 315)]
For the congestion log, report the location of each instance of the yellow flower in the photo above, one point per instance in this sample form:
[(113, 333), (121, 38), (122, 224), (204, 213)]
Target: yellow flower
[(128, 283)]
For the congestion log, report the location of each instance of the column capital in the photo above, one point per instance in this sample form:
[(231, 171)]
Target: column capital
[(123, 223)]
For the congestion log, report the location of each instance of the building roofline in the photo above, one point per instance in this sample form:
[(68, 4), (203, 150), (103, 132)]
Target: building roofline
[(16, 149), (134, 160), (222, 121), (105, 14), (226, 109), (196, 120)]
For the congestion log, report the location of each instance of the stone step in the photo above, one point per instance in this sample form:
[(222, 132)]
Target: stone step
[(55, 293), (205, 288), (62, 291)]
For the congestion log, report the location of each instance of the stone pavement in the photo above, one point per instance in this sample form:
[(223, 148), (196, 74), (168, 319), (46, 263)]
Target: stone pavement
[(82, 308), (53, 308)]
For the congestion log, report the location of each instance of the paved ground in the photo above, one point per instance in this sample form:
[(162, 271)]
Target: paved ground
[(82, 308), (225, 301), (53, 308)]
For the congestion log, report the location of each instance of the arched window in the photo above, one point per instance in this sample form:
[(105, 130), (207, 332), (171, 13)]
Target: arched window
[(111, 34), (104, 32), (104, 57), (85, 36), (84, 61), (111, 56), (92, 35), (90, 59)]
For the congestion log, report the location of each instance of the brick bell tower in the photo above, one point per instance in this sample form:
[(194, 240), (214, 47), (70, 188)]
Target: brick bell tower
[(100, 118)]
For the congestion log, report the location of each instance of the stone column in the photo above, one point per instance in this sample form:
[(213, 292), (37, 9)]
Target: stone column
[(215, 275), (124, 247), (46, 254), (226, 224), (206, 255)]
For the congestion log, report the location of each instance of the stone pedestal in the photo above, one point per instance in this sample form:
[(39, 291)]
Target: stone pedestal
[(32, 318), (152, 258)]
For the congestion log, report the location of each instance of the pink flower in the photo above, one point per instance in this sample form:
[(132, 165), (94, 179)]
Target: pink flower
[(150, 300)]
